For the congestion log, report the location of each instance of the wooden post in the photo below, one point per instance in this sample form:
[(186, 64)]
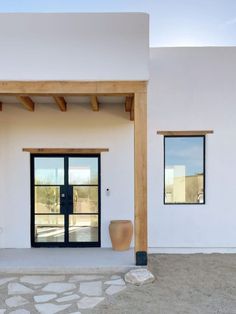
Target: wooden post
[(140, 177)]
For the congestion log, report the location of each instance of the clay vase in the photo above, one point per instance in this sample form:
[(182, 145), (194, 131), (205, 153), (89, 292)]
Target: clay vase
[(121, 232)]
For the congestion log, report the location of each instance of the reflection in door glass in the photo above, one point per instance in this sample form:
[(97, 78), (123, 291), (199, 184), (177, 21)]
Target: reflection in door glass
[(85, 199), (49, 171), (47, 199), (49, 228), (83, 170), (83, 228)]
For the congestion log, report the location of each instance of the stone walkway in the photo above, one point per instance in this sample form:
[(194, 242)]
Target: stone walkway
[(49, 294)]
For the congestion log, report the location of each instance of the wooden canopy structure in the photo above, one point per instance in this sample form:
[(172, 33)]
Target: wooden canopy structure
[(135, 93)]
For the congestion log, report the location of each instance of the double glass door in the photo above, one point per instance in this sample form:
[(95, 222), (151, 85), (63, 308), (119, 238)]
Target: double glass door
[(65, 196)]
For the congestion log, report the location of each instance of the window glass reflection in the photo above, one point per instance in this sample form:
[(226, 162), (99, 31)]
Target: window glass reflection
[(184, 169), (49, 171), (83, 170)]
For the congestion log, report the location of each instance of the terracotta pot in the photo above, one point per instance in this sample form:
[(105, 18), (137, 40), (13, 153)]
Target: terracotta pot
[(121, 232)]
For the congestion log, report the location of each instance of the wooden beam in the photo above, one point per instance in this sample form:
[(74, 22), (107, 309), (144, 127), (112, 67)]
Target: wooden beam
[(185, 133), (65, 150), (49, 88), (27, 102), (140, 177), (0, 106), (128, 103), (60, 101), (94, 103), (132, 110)]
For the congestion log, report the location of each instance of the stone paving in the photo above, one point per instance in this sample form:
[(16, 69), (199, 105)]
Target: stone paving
[(49, 294)]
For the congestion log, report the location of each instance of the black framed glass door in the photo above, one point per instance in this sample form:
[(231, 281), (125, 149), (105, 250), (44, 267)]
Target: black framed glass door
[(65, 200)]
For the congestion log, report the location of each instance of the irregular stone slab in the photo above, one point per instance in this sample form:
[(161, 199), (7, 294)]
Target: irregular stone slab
[(6, 280), (116, 282), (37, 286), (44, 297), (16, 301), (49, 308), (115, 277), (18, 288), (39, 280), (68, 293), (68, 298), (77, 278), (59, 287), (76, 313), (89, 302), (21, 311), (139, 276), (92, 288), (114, 289)]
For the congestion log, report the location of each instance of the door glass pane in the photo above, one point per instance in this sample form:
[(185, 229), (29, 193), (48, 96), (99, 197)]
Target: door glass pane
[(184, 170), (49, 228), (47, 199), (83, 228), (49, 171), (85, 199), (83, 170)]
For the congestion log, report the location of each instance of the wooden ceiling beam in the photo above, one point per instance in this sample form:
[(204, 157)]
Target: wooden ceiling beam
[(27, 102), (132, 110), (60, 101), (72, 87), (128, 103), (94, 103)]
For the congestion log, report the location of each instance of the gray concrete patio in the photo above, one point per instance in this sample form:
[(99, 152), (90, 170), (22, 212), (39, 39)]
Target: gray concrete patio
[(65, 260)]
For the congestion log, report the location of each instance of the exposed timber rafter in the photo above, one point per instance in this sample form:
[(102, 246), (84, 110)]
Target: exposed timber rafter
[(128, 103), (94, 103), (132, 110), (60, 101), (27, 102)]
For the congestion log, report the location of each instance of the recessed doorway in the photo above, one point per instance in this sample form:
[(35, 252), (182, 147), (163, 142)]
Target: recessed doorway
[(65, 200)]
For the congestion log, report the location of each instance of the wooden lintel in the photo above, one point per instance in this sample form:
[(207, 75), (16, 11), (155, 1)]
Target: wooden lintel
[(94, 103), (60, 101), (128, 103), (185, 133), (65, 150), (72, 87), (27, 102)]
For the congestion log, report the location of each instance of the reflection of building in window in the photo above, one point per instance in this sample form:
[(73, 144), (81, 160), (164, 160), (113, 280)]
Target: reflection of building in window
[(180, 188), (80, 174)]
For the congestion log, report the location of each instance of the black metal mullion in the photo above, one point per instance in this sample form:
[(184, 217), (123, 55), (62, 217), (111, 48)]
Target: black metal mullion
[(66, 183)]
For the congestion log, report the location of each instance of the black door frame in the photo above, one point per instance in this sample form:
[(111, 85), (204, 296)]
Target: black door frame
[(66, 242)]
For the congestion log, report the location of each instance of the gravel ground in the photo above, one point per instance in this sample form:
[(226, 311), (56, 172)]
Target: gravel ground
[(198, 283)]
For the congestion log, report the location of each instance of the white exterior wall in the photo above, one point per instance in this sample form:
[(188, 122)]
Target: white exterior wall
[(194, 89), (74, 46), (48, 127), (189, 89)]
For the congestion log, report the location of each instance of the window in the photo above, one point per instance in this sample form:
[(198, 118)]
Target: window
[(184, 175)]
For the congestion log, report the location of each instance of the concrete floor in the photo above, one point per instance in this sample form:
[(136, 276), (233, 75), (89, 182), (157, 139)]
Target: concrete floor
[(186, 284), (65, 260)]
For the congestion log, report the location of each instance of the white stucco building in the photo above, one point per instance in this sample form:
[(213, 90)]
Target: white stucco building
[(64, 83)]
